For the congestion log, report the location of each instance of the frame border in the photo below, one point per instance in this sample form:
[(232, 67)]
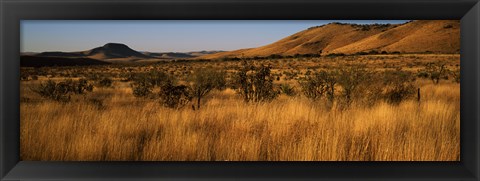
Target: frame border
[(12, 11)]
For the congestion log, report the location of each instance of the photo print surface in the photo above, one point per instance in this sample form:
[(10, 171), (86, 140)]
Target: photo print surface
[(204, 90)]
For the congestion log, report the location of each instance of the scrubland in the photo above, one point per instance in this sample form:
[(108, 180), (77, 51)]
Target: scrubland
[(110, 123)]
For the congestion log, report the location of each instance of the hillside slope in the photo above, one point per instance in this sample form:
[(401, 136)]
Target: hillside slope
[(436, 36)]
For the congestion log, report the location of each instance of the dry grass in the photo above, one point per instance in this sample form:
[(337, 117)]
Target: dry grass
[(287, 129)]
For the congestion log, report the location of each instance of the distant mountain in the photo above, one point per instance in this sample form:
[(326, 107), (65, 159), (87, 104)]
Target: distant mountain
[(117, 52), (113, 50), (432, 36), (38, 61), (175, 55), (204, 52), (105, 52), (168, 55)]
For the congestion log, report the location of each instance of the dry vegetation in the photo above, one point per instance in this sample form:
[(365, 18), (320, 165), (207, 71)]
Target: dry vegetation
[(111, 123)]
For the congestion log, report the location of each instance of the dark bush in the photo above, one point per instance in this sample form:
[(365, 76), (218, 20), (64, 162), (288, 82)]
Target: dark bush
[(422, 74), (255, 83), (435, 72), (320, 84), (105, 82), (143, 83), (175, 96), (288, 90), (141, 88), (456, 75), (335, 54), (63, 90)]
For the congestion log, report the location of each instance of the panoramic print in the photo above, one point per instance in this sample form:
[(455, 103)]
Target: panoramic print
[(293, 90)]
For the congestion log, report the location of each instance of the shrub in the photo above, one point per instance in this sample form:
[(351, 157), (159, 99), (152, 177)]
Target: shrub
[(255, 83), (174, 96), (313, 87), (170, 94), (141, 88), (435, 71), (154, 77), (63, 90), (288, 90), (456, 75), (422, 74), (205, 80), (320, 84), (350, 79), (398, 86), (335, 54), (143, 83), (105, 82)]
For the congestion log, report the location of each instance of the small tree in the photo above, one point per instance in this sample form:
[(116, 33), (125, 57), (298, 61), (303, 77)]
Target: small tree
[(144, 83), (320, 84), (330, 79), (313, 87), (255, 83), (204, 81), (350, 79), (435, 71)]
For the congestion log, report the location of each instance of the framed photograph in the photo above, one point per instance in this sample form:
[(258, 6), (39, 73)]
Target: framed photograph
[(247, 90)]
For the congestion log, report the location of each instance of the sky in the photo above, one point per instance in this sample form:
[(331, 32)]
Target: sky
[(163, 35)]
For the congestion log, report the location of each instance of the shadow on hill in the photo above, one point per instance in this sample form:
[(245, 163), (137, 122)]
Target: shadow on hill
[(35, 61)]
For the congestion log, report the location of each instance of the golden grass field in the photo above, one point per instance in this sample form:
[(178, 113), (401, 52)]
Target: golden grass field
[(289, 128)]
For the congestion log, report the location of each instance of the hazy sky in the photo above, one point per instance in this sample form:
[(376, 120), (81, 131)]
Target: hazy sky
[(162, 36)]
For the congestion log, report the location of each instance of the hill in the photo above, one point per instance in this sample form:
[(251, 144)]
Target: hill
[(114, 50), (118, 53), (109, 51), (435, 36), (174, 55), (168, 55)]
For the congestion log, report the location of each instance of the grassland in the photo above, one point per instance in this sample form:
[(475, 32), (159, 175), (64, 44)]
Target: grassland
[(111, 124)]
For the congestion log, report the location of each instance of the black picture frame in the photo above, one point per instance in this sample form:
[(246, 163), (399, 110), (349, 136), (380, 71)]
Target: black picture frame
[(12, 11)]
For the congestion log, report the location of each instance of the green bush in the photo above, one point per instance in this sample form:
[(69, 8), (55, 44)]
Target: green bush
[(205, 80)]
